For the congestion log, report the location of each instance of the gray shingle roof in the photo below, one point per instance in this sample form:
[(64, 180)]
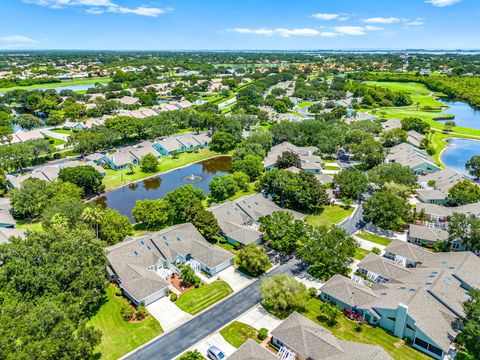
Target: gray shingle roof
[(250, 350), (308, 160), (312, 341), (427, 233)]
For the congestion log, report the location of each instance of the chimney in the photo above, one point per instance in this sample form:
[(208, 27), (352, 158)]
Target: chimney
[(401, 320)]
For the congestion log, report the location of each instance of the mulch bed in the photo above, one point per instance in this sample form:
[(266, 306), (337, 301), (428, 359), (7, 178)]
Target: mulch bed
[(177, 283)]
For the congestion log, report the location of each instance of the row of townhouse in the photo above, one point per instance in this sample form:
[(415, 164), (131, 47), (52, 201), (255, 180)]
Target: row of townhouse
[(165, 146), (49, 173), (300, 338), (410, 292)]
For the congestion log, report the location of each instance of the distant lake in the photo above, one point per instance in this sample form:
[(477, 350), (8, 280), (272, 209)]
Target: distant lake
[(458, 152), (199, 175), (72, 87), (465, 115)]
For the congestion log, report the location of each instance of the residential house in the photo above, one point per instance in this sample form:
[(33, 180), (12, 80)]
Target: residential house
[(183, 142), (143, 265), (410, 292), (120, 160), (239, 219), (429, 235), (129, 100), (23, 136), (309, 162), (322, 178), (416, 159), (141, 149), (49, 173), (301, 338), (435, 187), (439, 214), (415, 138), (6, 218), (391, 124), (251, 350)]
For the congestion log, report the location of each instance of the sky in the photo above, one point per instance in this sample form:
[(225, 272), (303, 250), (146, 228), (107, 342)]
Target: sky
[(239, 25)]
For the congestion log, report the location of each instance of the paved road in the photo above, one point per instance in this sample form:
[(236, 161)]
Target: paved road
[(354, 223), (172, 344)]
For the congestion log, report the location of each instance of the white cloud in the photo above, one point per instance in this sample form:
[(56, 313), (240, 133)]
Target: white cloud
[(284, 32), (382, 20), (325, 17), (416, 22), (350, 30), (100, 7), (17, 39), (442, 3), (343, 18), (373, 28)]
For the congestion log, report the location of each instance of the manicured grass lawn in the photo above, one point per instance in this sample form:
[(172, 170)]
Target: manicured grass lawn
[(345, 330), (59, 84), (56, 141), (121, 177), (360, 253), (296, 114), (331, 166), (365, 235), (237, 333), (331, 215), (196, 300), (304, 104), (62, 131), (228, 247), (120, 336)]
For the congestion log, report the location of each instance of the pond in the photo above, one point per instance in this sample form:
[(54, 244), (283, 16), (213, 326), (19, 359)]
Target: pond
[(465, 115), (199, 175), (458, 152)]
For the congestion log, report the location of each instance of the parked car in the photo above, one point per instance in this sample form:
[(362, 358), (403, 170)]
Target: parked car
[(215, 353)]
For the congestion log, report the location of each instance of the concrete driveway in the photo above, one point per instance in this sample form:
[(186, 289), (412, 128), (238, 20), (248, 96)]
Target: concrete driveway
[(259, 318), (308, 280), (214, 340), (168, 314), (235, 278)]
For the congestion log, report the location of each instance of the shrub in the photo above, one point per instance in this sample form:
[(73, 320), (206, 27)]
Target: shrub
[(126, 312), (197, 282), (222, 240), (376, 250), (141, 313), (358, 327), (262, 333), (236, 246), (312, 292), (173, 297), (118, 292)]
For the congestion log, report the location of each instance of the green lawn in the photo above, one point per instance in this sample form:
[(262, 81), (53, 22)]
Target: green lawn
[(196, 300), (237, 333), (360, 253), (120, 336), (331, 215), (56, 141), (345, 330), (304, 104), (365, 235), (59, 84), (62, 131), (331, 166), (116, 178)]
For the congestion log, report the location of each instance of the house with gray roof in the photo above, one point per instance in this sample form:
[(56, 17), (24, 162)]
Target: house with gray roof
[(183, 142), (239, 219), (142, 266), (439, 214), (434, 187), (6, 218), (120, 159), (301, 338), (309, 162), (391, 124), (251, 350), (428, 236), (7, 233), (414, 138), (410, 292), (416, 159)]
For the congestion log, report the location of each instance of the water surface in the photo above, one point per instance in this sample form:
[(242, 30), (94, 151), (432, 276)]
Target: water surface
[(458, 152), (123, 199), (465, 115)]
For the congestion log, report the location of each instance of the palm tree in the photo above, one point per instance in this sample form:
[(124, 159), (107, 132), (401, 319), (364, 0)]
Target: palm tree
[(92, 216)]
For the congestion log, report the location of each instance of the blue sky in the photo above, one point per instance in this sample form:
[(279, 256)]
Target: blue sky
[(245, 24)]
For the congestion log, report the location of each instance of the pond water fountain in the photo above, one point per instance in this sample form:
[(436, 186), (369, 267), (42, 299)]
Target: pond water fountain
[(192, 179)]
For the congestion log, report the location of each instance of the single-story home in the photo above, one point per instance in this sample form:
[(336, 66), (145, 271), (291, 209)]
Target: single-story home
[(439, 214), (143, 265), (23, 136), (416, 159), (129, 100), (120, 160), (410, 292), (427, 235), (309, 162), (7, 233), (391, 124), (251, 350), (300, 338), (415, 138), (434, 187), (183, 142), (239, 219)]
